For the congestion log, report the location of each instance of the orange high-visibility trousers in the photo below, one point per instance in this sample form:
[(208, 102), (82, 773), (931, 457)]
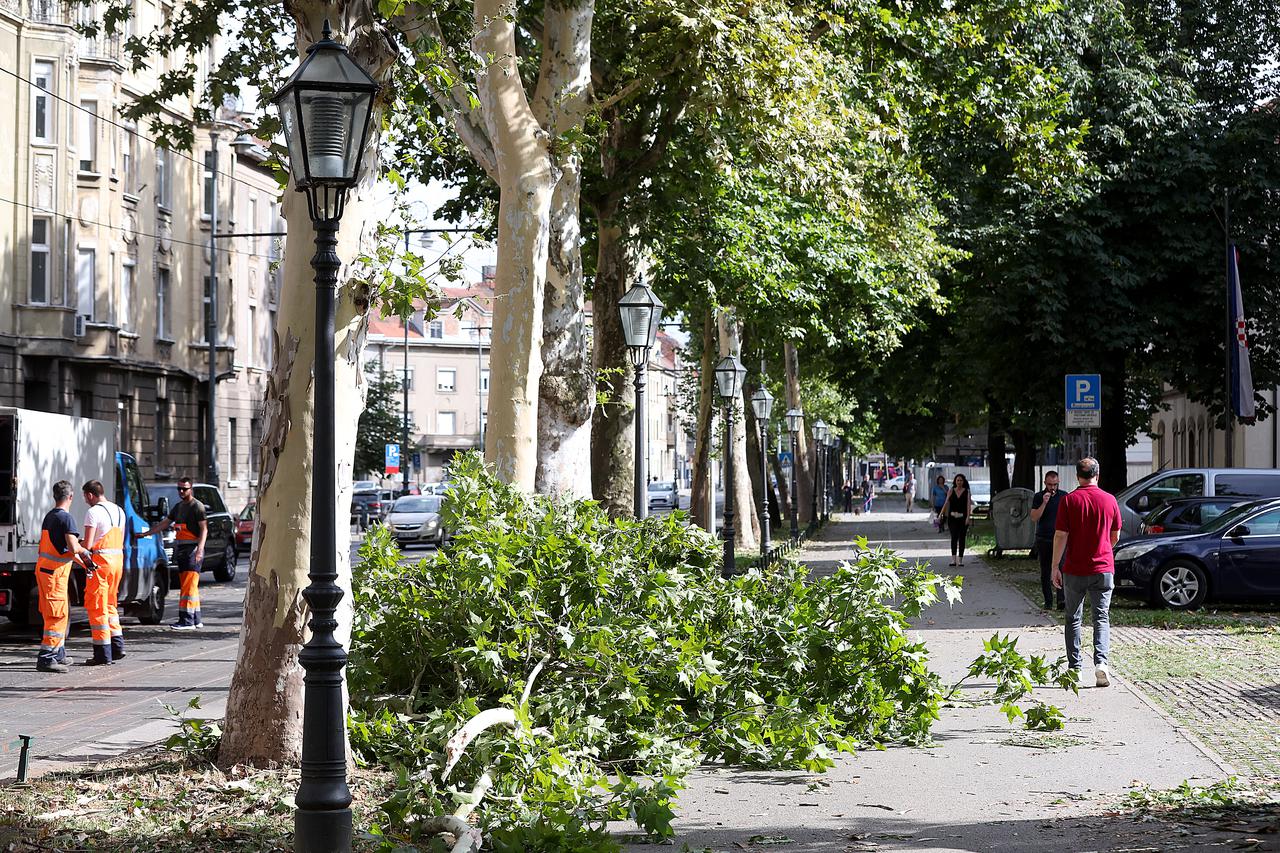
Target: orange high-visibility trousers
[(188, 585), (52, 572), (101, 591)]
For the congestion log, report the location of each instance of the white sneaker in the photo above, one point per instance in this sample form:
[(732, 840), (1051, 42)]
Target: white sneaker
[(1103, 675)]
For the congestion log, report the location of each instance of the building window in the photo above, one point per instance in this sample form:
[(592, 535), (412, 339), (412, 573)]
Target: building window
[(253, 335), (162, 434), (271, 337), (86, 278), (233, 445), (129, 161), (206, 308), (255, 441), (406, 377), (484, 380), (208, 183), (162, 304), (435, 329), (446, 423), (87, 135), (128, 274), (43, 116), (40, 228), (164, 178), (124, 423), (446, 379)]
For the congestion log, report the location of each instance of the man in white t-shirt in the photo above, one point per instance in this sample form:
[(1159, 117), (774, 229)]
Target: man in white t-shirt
[(104, 537)]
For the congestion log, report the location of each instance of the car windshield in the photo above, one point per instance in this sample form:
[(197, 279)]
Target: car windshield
[(414, 503), (659, 487), (1231, 517), (981, 489)]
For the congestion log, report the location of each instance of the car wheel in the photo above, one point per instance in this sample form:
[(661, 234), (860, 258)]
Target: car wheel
[(226, 572), (151, 611), (1181, 585)]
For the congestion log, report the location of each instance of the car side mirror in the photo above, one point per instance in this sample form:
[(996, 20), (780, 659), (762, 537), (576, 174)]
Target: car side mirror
[(1238, 531)]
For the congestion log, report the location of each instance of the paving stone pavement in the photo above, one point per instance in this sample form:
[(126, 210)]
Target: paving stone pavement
[(984, 785)]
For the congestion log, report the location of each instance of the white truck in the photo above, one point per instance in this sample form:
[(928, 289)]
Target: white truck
[(36, 450)]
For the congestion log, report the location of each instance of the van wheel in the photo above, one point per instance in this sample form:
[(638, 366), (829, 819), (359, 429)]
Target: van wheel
[(226, 572), (151, 610), (1181, 585)]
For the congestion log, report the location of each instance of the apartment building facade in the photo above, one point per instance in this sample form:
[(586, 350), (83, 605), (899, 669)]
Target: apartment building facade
[(105, 286)]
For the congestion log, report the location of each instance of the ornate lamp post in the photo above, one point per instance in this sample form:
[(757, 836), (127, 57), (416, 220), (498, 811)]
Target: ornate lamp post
[(326, 108), (762, 406), (729, 377), (641, 314), (833, 470), (795, 421), (819, 468)]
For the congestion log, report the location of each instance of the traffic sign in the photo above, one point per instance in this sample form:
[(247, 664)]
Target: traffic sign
[(1084, 400), (393, 459)]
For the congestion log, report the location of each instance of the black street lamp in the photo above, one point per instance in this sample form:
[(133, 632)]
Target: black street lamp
[(833, 471), (762, 406), (819, 469), (325, 107), (729, 377), (795, 420), (641, 314)]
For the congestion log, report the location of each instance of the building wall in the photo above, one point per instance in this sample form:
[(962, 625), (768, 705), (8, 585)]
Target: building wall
[(124, 233), (1184, 436)]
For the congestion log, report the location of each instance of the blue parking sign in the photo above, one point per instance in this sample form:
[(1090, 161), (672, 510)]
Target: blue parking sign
[(393, 458), (1084, 400)]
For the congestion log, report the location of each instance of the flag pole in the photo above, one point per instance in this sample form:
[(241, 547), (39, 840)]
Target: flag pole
[(1229, 416)]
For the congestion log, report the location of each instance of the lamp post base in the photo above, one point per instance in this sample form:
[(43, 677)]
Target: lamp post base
[(322, 831)]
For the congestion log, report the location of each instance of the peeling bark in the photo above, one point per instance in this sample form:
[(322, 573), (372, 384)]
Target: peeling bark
[(804, 473), (701, 508), (613, 424), (747, 521)]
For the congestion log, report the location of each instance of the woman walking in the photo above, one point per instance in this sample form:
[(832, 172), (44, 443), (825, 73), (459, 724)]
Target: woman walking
[(909, 489), (958, 510), (868, 493), (938, 497)]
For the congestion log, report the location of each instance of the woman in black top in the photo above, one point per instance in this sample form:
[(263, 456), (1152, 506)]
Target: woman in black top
[(958, 511)]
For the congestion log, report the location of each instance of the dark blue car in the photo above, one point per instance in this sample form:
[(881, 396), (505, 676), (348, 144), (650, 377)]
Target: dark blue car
[(1235, 557)]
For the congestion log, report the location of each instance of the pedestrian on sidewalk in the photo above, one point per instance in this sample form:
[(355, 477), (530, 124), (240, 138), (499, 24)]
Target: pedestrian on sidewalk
[(1044, 512), (59, 548), (187, 517), (1085, 533), (104, 537), (938, 497), (868, 493), (909, 489), (847, 491), (957, 509)]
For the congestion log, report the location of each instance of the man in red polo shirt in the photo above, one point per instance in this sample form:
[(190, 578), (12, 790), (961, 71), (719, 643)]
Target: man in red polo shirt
[(1085, 531)]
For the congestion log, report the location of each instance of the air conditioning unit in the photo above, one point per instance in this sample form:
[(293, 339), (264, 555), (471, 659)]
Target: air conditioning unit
[(80, 324)]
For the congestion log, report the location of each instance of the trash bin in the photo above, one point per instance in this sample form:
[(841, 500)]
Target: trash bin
[(1011, 516)]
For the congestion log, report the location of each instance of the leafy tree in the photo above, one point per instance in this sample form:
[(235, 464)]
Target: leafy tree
[(382, 421)]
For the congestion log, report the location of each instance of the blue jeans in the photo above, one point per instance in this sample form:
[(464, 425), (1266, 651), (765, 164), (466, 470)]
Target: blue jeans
[(1099, 589)]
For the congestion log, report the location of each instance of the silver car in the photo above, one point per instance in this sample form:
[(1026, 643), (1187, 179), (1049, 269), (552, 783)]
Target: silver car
[(416, 518)]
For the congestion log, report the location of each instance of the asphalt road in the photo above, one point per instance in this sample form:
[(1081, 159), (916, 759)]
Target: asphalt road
[(91, 713)]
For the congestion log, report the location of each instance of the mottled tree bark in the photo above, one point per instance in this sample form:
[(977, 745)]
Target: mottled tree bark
[(804, 460), (613, 423), (746, 525), (701, 497)]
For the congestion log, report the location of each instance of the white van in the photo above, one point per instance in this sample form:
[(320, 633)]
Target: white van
[(1152, 491)]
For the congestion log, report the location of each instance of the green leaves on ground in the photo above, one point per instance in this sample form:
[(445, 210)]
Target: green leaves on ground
[(650, 663), (1016, 675)]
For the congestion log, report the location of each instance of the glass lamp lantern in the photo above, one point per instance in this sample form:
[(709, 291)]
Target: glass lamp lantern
[(762, 404), (795, 419), (730, 374), (641, 312), (326, 107), (820, 431)]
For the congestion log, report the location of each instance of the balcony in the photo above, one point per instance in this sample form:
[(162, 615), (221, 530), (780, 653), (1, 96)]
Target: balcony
[(100, 47), (46, 11)]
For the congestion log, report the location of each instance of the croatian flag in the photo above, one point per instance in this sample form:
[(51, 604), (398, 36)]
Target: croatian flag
[(1241, 374)]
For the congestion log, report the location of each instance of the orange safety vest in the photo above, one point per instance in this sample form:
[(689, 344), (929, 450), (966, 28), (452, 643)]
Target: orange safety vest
[(49, 558), (108, 551)]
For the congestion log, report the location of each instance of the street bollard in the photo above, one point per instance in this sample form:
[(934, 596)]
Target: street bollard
[(22, 758)]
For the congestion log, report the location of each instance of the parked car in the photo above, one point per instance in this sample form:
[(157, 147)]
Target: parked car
[(663, 496), (1155, 490), (1184, 515), (1235, 557), (369, 506), (893, 484), (416, 518), (245, 522), (220, 544), (981, 498)]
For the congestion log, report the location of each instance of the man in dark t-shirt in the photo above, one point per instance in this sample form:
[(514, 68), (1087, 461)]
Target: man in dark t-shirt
[(187, 518), (59, 548), (1044, 512)]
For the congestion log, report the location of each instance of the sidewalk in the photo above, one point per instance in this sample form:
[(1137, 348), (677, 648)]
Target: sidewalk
[(986, 784)]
